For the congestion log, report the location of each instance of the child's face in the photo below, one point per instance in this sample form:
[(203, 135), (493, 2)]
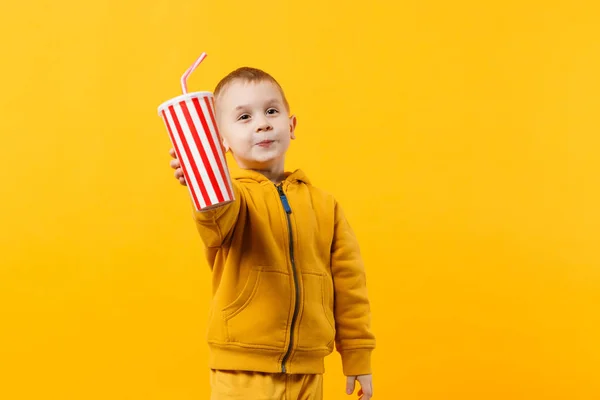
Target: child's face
[(255, 125)]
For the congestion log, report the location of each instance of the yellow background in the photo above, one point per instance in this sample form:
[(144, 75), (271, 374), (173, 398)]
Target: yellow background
[(461, 137)]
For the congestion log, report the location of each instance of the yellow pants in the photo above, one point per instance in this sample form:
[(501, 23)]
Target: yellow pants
[(243, 385)]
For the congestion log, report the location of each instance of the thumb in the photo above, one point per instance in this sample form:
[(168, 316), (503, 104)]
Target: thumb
[(350, 381)]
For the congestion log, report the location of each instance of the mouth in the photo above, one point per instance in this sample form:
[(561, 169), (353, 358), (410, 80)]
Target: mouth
[(265, 143)]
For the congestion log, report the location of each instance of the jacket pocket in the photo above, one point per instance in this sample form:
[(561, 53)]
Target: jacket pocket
[(317, 326), (259, 315)]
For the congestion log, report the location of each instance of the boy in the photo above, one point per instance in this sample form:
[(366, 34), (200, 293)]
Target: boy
[(287, 275)]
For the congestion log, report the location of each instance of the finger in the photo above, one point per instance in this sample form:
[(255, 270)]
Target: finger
[(366, 387), (174, 164), (182, 181), (350, 384), (172, 153), (179, 173)]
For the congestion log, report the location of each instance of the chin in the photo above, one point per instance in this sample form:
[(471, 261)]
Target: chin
[(263, 163), (267, 158)]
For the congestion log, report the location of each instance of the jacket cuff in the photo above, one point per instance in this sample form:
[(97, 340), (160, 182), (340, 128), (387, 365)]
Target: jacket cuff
[(356, 362)]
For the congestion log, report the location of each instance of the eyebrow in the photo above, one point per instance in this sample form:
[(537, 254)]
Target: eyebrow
[(271, 101)]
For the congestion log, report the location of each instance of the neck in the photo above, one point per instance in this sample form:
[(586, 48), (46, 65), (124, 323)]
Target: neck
[(273, 176), (274, 172)]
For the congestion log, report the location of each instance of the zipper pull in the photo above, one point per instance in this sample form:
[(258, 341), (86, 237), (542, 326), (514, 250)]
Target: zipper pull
[(284, 200)]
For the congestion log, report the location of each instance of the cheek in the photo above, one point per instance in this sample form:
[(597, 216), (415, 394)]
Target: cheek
[(239, 142)]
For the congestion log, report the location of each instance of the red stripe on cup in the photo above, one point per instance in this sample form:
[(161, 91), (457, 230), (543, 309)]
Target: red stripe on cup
[(205, 161), (178, 153), (211, 142), (224, 173), (189, 155)]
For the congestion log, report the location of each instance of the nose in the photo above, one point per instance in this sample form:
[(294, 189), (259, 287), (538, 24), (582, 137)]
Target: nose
[(263, 125)]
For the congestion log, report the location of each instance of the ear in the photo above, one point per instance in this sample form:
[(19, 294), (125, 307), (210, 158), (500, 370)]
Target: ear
[(293, 122), (225, 144)]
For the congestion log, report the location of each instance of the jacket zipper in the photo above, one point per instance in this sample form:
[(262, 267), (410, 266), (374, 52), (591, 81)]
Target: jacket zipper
[(288, 211)]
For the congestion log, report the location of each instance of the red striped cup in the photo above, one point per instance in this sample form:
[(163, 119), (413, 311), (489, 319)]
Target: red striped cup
[(190, 121)]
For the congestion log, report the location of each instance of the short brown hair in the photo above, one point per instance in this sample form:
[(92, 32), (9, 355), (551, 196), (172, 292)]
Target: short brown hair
[(250, 75)]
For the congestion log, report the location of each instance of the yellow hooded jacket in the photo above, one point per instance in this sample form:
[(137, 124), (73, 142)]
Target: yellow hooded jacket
[(288, 280)]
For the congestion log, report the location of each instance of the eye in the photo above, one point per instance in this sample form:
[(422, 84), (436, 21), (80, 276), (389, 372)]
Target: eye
[(243, 117), (272, 111)]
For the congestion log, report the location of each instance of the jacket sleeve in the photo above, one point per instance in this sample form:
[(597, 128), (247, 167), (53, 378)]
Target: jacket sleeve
[(215, 225), (354, 339)]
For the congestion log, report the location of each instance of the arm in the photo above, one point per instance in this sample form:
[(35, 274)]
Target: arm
[(215, 225), (354, 339)]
